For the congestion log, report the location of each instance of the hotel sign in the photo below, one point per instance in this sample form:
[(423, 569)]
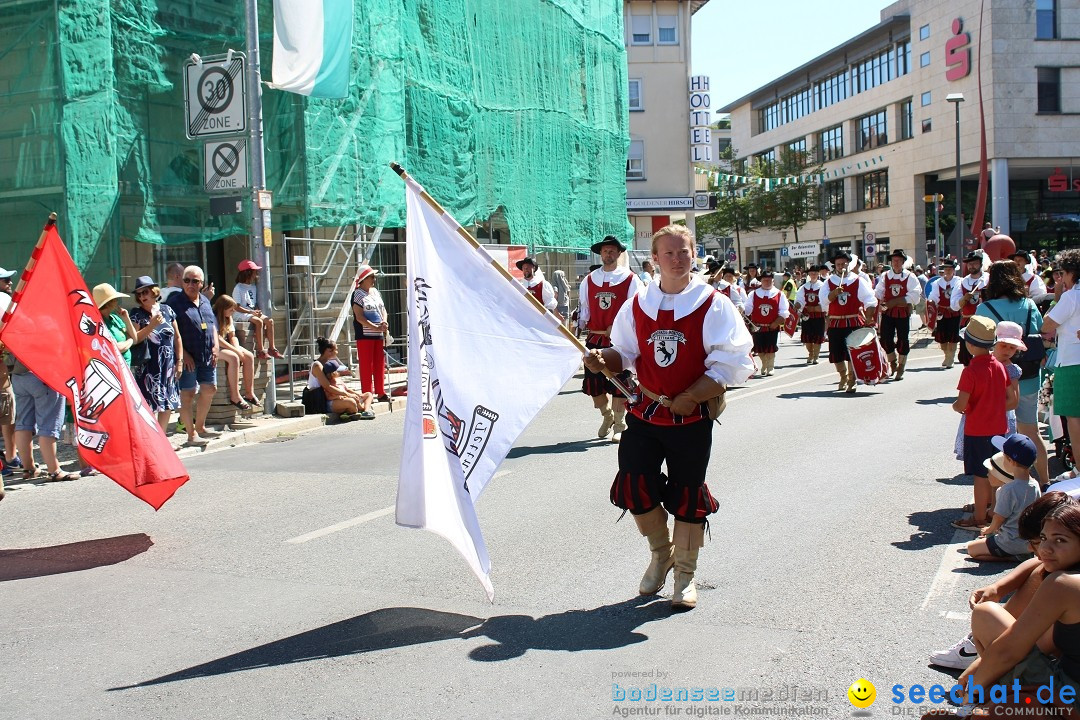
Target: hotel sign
[(668, 203), (700, 132)]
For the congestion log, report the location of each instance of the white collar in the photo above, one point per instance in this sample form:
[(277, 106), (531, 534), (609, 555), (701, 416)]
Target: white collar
[(537, 278), (686, 302), (762, 292), (813, 284), (1028, 274), (894, 276), (836, 278), (969, 280), (619, 274)]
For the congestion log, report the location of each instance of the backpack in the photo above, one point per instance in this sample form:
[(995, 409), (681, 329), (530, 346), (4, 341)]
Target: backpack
[(1029, 361)]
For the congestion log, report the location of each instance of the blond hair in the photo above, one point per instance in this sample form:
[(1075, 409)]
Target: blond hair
[(676, 230)]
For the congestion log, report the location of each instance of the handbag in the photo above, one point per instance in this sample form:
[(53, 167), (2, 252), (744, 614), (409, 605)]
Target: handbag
[(1029, 361)]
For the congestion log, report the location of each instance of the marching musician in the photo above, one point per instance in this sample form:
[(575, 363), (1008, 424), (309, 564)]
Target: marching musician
[(602, 293), (687, 343), (968, 294), (730, 287), (898, 292), (849, 298), (767, 309), (939, 302), (808, 304)]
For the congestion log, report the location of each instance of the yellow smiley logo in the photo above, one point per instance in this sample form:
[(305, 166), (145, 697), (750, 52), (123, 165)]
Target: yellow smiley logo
[(862, 693)]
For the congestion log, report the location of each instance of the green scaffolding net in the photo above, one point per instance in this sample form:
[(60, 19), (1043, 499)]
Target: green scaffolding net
[(511, 107)]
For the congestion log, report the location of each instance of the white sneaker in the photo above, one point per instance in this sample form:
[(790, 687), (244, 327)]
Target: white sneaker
[(959, 656)]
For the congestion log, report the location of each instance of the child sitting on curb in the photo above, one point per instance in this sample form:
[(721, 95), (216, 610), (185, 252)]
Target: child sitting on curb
[(1008, 470)]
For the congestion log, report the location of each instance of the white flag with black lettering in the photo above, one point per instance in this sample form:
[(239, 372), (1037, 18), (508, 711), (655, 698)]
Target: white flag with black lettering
[(482, 363)]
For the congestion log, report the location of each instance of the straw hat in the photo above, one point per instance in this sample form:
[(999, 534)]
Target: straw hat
[(105, 292), (980, 331)]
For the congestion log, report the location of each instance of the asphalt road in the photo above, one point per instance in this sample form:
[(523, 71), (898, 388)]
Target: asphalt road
[(276, 584)]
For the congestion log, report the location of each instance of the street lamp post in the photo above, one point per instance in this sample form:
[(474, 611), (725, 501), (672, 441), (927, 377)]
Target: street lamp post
[(956, 99)]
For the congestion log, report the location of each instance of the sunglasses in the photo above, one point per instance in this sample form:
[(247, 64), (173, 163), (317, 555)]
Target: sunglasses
[(192, 281)]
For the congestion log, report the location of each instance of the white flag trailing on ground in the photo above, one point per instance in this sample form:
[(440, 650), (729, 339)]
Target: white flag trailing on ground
[(313, 47), (482, 363)]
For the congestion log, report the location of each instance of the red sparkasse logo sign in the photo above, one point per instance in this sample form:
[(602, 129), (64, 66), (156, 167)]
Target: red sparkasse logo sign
[(957, 52)]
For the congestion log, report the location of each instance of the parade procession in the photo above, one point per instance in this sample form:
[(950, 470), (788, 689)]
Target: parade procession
[(539, 359)]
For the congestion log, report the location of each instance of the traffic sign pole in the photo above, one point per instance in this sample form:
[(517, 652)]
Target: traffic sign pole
[(260, 230)]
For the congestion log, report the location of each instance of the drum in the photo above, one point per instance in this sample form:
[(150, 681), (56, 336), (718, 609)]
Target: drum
[(791, 324), (867, 358)]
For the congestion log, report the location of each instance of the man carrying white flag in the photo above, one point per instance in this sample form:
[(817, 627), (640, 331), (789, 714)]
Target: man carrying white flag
[(475, 341)]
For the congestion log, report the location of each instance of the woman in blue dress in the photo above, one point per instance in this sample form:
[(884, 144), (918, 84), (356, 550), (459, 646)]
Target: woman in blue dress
[(157, 356)]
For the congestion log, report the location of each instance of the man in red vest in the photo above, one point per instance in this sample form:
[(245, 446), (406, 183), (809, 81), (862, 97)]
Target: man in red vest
[(602, 293), (939, 301), (897, 293), (848, 297), (767, 309), (536, 284), (687, 343)]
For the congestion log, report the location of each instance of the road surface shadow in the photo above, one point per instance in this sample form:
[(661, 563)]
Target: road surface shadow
[(72, 557), (862, 392), (557, 448), (984, 568), (960, 479), (932, 528), (936, 401), (604, 628)]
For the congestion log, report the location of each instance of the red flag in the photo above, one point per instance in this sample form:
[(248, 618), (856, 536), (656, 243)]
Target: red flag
[(56, 330)]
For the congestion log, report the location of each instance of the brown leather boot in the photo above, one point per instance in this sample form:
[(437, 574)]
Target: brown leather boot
[(653, 526), (900, 364)]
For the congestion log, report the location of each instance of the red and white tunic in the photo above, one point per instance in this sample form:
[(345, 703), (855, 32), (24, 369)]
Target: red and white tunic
[(1035, 284), (855, 295), (968, 284), (541, 290), (941, 296), (893, 286), (600, 297), (809, 298), (672, 340), (763, 307)]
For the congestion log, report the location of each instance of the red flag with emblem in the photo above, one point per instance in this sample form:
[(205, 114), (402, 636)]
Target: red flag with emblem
[(56, 330), (791, 322)]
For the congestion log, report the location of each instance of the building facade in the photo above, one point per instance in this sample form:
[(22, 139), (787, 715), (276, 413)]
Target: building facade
[(660, 178), (880, 113)]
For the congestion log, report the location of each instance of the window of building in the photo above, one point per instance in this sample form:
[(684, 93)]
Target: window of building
[(924, 59), (641, 29), (831, 144), (925, 99), (666, 30), (927, 125), (635, 95), (797, 149), (906, 128), (871, 72), (874, 190), (722, 144), (767, 158), (903, 58), (834, 197), (1049, 90), (831, 90), (1045, 19), (635, 160), (873, 130), (924, 32)]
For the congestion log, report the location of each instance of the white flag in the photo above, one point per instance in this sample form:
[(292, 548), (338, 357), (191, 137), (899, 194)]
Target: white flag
[(313, 47), (482, 363)]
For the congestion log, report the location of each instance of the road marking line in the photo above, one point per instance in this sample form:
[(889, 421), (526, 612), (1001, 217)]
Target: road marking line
[(360, 520), (945, 580), (953, 615), (345, 525)]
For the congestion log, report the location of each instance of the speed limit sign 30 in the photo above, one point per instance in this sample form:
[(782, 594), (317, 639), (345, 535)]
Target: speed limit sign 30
[(214, 96)]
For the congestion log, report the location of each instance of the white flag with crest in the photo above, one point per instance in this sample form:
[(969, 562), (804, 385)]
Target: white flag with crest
[(482, 363)]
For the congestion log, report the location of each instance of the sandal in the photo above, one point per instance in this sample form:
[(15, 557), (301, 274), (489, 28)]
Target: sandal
[(61, 476), (262, 355), (968, 523), (242, 404), (275, 354), (970, 508), (252, 401), (29, 473)]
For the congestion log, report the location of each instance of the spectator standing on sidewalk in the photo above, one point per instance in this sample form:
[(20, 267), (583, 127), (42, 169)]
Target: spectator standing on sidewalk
[(198, 335), (7, 394), (370, 326), (116, 319), (163, 354), (174, 280)]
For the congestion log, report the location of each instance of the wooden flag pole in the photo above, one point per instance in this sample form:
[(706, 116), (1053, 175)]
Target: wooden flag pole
[(33, 257), (506, 275)]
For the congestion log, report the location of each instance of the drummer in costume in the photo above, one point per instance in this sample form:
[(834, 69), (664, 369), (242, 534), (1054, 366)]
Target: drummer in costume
[(968, 294), (808, 303), (687, 343), (898, 292), (602, 293), (537, 285), (1034, 283), (767, 309), (849, 298), (939, 302)]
